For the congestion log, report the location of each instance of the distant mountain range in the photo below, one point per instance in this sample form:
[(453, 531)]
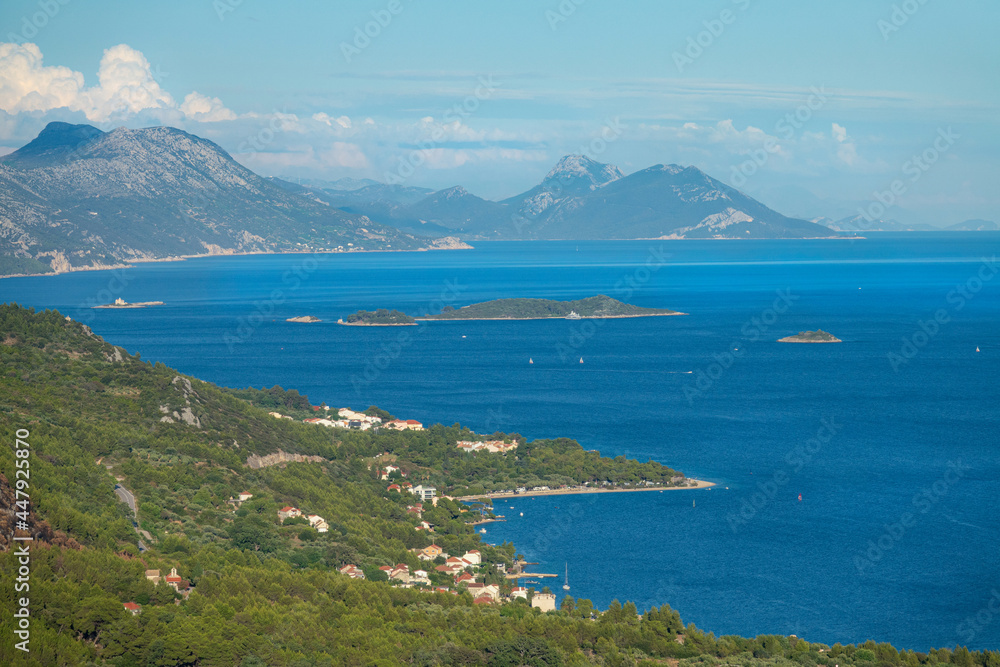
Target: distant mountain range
[(79, 197), (975, 226), (584, 199), (859, 223)]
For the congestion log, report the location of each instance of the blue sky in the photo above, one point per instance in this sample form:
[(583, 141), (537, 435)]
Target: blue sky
[(490, 95)]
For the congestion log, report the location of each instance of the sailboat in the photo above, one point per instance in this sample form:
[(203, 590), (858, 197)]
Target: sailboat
[(530, 360), (977, 348), (581, 360), (566, 585)]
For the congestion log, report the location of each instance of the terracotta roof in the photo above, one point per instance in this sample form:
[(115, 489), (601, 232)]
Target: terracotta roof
[(131, 606)]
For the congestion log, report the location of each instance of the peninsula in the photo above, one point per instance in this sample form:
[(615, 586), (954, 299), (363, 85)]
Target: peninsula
[(818, 336), (304, 318), (595, 307), (122, 303), (378, 318)]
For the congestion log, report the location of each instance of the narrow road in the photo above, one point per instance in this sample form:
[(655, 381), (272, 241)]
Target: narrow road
[(126, 497)]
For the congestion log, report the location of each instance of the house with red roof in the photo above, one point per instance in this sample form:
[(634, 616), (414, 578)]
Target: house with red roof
[(394, 487), (405, 425), (132, 607), (353, 571), (288, 511)]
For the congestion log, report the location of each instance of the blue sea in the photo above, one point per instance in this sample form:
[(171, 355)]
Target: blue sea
[(890, 438)]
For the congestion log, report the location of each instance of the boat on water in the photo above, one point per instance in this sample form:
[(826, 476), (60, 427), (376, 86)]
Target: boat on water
[(581, 360), (482, 530), (530, 360), (566, 580), (977, 348), (573, 315)]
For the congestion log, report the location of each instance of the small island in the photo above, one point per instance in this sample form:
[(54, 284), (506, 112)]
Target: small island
[(122, 303), (378, 318), (304, 318), (818, 336), (595, 307)]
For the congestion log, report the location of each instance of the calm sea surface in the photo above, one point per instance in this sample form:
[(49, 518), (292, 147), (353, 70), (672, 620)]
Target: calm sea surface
[(896, 536)]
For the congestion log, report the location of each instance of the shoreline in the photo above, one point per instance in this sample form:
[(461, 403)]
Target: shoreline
[(376, 324), (130, 264), (573, 491), (555, 317)]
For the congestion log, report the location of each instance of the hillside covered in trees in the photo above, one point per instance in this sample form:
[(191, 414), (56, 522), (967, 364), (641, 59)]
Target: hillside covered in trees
[(265, 591)]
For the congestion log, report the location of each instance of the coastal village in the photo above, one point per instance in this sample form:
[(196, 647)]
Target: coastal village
[(466, 572), (487, 583)]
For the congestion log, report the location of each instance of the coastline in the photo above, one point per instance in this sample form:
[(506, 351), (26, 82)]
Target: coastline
[(554, 317), (130, 264), (573, 491), (375, 324)]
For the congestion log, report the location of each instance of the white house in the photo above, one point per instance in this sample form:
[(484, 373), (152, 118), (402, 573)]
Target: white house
[(519, 592), (319, 523), (424, 492), (245, 496), (288, 511), (473, 557)]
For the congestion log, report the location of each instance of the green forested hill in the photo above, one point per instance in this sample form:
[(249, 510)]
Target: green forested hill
[(267, 593), (525, 309)]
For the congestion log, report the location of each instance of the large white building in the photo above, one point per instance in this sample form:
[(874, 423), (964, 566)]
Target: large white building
[(425, 493)]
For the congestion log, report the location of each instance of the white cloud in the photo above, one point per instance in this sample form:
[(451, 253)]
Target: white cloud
[(125, 87), (27, 85), (839, 133), (342, 121), (205, 109), (847, 151)]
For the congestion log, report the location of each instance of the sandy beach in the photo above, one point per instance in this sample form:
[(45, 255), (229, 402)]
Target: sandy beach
[(572, 491)]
